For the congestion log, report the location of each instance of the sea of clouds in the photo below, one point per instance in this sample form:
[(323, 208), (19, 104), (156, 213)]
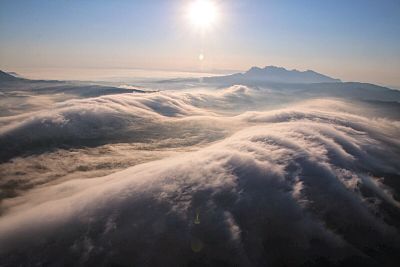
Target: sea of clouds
[(231, 177)]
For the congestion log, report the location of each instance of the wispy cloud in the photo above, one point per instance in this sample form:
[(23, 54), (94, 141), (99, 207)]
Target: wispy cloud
[(291, 186)]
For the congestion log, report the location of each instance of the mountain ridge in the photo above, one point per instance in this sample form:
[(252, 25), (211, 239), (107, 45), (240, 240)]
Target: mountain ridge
[(6, 77), (275, 75)]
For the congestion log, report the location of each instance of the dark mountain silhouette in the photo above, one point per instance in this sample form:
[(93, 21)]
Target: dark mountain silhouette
[(272, 74), (348, 90), (10, 84), (12, 73), (6, 77)]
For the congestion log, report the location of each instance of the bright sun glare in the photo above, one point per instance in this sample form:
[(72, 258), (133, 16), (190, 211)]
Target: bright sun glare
[(202, 13)]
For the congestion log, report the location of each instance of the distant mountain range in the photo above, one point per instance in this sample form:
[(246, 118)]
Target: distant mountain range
[(304, 83), (6, 77), (11, 82), (15, 74), (272, 74)]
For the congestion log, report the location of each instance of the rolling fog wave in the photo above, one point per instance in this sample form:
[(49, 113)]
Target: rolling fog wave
[(114, 118), (305, 185)]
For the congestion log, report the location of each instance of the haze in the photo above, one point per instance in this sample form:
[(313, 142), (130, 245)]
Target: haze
[(355, 40)]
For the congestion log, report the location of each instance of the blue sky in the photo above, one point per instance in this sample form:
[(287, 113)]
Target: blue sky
[(352, 40)]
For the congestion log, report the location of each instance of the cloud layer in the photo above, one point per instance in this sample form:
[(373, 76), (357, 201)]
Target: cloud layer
[(314, 184)]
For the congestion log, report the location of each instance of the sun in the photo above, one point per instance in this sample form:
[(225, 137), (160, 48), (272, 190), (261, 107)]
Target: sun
[(202, 13)]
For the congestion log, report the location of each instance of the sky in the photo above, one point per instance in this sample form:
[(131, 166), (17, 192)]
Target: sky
[(356, 40)]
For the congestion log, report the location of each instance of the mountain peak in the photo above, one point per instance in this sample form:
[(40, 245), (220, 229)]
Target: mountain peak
[(5, 77), (272, 67), (282, 75), (273, 74)]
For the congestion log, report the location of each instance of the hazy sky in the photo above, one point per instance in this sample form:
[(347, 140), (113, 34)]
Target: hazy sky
[(353, 40)]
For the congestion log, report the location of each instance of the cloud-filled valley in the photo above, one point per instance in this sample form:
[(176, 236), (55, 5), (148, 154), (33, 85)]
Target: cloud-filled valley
[(232, 176)]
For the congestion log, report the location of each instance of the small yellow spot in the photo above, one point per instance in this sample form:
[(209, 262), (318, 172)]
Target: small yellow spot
[(196, 245), (197, 220), (201, 57)]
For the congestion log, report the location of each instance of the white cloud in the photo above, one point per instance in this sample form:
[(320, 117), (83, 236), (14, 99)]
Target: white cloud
[(291, 186)]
